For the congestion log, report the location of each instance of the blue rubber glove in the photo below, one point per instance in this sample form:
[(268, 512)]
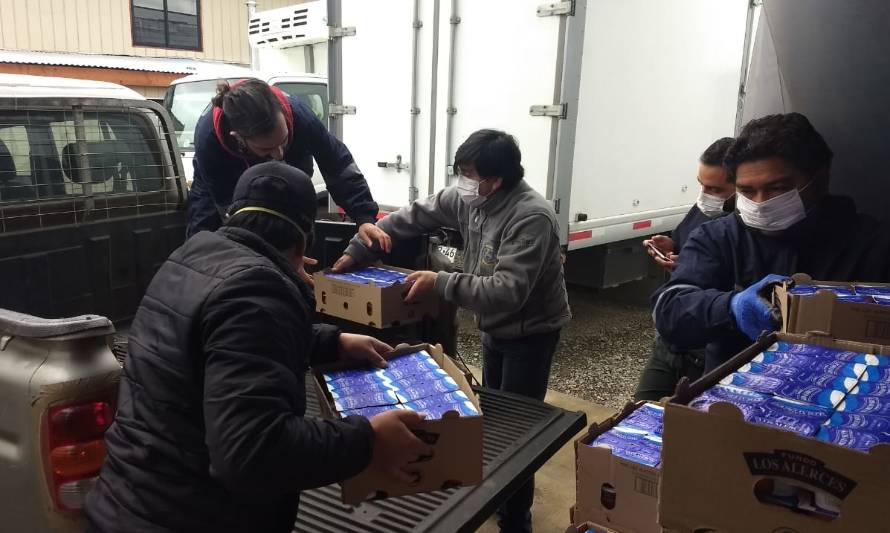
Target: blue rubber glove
[(753, 313)]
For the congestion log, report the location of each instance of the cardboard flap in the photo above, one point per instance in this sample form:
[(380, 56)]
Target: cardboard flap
[(801, 279), (726, 410), (881, 452)]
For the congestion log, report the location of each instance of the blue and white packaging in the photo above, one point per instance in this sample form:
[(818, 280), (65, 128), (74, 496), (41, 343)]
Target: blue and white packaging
[(381, 277), (344, 387), (852, 438), (808, 349), (436, 406), (871, 405), (881, 300), (351, 376), (636, 446), (435, 411), (872, 290), (405, 366), (750, 403), (876, 374), (782, 365), (414, 379), (371, 399), (369, 412), (648, 417), (860, 422), (408, 393), (840, 290), (798, 417), (790, 354), (802, 290), (856, 299), (872, 388), (788, 389)]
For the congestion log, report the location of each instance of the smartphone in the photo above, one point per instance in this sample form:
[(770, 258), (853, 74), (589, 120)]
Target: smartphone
[(660, 254)]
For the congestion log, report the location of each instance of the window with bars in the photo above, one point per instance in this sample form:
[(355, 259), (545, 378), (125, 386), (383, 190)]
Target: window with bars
[(167, 23), (73, 166)]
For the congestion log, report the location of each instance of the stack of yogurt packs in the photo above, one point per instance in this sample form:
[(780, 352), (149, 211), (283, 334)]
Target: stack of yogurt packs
[(637, 437), (414, 381), (864, 294), (837, 396), (382, 277)]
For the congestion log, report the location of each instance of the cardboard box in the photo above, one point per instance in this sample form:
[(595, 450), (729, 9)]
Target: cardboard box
[(822, 312), (456, 441), (589, 526), (713, 461), (598, 473), (378, 307)]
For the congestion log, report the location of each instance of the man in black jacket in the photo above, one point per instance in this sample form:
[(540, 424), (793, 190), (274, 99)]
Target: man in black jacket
[(786, 223), (209, 434), (668, 363)]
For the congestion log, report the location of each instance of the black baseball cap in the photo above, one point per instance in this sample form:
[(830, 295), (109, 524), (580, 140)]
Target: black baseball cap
[(277, 189)]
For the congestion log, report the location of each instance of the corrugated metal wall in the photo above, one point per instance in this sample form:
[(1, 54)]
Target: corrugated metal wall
[(104, 27)]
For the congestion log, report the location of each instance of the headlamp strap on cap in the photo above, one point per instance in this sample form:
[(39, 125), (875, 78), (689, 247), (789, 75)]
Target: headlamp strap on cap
[(274, 213)]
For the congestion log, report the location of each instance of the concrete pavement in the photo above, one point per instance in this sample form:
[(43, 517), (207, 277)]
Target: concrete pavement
[(555, 481)]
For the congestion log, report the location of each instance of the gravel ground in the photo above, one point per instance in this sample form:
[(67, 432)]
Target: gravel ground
[(603, 349)]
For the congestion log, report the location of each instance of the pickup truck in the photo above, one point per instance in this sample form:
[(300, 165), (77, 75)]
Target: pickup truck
[(92, 201)]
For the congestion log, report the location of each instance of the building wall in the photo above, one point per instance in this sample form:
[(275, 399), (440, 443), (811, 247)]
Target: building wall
[(104, 27)]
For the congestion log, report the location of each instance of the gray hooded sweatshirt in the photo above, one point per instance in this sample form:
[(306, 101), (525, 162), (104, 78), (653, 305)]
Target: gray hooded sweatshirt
[(513, 278)]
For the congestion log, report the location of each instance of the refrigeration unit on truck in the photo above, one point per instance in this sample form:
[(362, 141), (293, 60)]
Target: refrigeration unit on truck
[(611, 101)]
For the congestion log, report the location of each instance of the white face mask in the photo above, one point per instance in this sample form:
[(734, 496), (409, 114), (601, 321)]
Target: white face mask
[(710, 204), (469, 191), (775, 214)]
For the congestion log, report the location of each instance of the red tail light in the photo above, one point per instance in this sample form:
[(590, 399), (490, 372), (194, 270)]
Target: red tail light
[(78, 423), (75, 449)]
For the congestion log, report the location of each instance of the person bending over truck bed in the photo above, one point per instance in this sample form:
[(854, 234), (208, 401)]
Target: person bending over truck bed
[(210, 434), (786, 222), (668, 363), (251, 122), (513, 278)]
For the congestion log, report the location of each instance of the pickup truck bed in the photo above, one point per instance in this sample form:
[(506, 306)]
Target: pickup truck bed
[(519, 436)]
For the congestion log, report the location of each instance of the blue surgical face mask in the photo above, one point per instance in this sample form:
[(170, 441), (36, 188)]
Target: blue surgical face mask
[(469, 191)]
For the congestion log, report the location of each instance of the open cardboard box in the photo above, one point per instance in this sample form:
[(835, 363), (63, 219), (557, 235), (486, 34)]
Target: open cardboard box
[(822, 312), (589, 526), (633, 506), (712, 461), (456, 440), (378, 307)]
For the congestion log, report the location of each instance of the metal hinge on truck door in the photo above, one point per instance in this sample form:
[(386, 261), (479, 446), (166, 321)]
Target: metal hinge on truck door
[(557, 8), (336, 109), (549, 110), (337, 32)]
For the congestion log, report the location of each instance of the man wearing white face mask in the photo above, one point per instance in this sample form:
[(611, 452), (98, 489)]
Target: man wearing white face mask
[(786, 222), (513, 278), (713, 196), (667, 363)]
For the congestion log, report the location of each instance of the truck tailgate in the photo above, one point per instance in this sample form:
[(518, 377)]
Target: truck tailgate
[(519, 436)]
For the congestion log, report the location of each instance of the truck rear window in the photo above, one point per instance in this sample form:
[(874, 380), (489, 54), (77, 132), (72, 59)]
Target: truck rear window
[(69, 167)]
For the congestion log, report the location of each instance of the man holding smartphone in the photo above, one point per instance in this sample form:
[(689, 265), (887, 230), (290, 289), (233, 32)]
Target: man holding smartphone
[(667, 363), (716, 191)]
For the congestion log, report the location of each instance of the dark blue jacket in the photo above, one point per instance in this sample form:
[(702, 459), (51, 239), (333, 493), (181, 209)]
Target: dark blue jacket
[(219, 163), (693, 219), (209, 434), (724, 256)]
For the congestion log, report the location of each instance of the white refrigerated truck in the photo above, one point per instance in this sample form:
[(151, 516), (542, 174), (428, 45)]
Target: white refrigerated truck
[(611, 101)]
